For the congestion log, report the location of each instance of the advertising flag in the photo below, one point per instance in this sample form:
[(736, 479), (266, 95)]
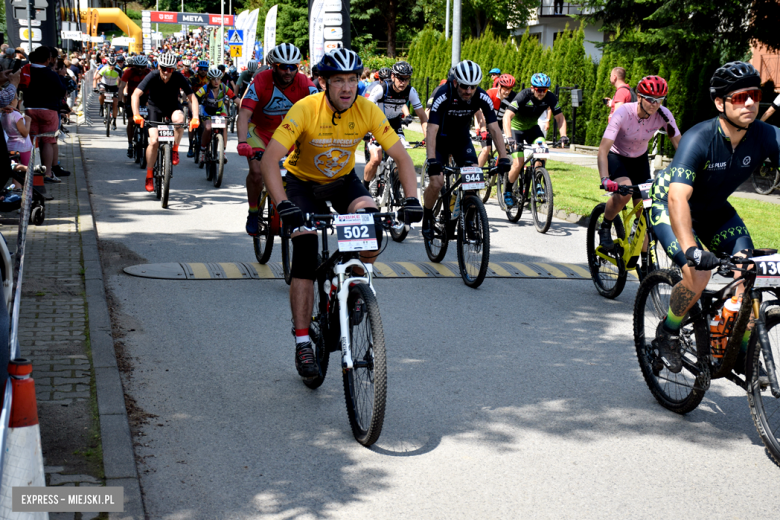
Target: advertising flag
[(269, 42)]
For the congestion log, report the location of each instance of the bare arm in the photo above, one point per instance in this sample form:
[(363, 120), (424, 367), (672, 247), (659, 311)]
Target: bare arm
[(768, 113), (676, 141), (498, 139), (617, 105), (406, 172), (242, 125), (423, 119), (680, 214), (194, 105), (601, 160), (430, 140), (272, 175), (136, 101), (23, 126), (480, 117), (508, 115)]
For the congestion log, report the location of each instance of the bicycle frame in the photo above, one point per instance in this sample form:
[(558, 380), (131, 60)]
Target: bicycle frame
[(631, 247)]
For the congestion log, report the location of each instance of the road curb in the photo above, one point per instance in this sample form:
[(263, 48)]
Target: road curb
[(118, 455)]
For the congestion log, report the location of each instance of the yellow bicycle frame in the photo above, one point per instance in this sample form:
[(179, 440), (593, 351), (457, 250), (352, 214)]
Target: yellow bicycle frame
[(631, 248)]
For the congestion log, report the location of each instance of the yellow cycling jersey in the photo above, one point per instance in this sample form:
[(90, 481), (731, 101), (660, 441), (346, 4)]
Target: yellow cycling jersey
[(324, 151)]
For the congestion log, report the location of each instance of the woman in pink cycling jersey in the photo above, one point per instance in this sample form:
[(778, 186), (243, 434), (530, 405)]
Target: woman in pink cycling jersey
[(622, 155)]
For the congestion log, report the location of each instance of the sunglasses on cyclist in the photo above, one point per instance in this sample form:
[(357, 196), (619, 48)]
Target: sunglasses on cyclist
[(167, 69), (654, 100), (541, 90), (740, 98), (286, 67), (467, 88), (403, 78)]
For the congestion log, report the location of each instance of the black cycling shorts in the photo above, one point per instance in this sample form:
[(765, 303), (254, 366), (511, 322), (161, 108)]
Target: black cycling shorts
[(157, 113), (459, 147), (721, 232), (301, 194), (108, 88), (636, 169), (527, 136)]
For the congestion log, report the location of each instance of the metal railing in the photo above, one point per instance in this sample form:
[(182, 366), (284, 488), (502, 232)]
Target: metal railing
[(87, 94), (553, 8)]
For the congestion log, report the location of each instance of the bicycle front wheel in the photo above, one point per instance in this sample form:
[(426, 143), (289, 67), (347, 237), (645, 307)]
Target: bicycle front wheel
[(365, 385), (436, 248), (166, 175), (219, 156), (473, 241), (765, 179), (607, 270), (764, 407), (264, 241), (681, 392), (541, 199), (107, 113), (514, 213)]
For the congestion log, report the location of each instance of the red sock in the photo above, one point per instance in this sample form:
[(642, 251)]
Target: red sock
[(301, 336), (149, 173), (176, 148)]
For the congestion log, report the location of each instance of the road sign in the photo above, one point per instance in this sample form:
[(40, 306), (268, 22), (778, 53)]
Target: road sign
[(235, 51), (20, 13), (236, 37), (25, 35), (71, 35)]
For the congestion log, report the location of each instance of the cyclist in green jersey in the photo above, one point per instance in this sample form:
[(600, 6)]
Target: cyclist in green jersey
[(107, 80), (522, 116)]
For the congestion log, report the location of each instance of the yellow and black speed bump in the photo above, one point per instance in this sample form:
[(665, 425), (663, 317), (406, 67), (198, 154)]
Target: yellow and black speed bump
[(273, 270)]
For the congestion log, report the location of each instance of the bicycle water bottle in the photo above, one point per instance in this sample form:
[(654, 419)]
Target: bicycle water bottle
[(721, 324)]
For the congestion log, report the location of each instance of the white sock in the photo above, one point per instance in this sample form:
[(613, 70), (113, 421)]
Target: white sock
[(302, 339)]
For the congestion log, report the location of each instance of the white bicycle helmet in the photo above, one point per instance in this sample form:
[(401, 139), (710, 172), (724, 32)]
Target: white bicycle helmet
[(186, 63), (468, 73), (167, 59), (285, 53), (141, 61), (214, 73), (251, 66)]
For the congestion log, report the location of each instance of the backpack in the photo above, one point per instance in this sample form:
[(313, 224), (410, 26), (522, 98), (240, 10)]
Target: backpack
[(631, 91)]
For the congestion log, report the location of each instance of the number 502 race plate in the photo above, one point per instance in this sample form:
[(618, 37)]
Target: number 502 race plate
[(356, 232), (767, 271)]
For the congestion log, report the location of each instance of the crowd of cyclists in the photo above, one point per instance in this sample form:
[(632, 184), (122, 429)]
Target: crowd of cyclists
[(318, 122)]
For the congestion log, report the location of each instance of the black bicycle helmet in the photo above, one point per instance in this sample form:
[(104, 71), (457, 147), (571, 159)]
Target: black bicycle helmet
[(402, 69), (384, 73), (732, 76)]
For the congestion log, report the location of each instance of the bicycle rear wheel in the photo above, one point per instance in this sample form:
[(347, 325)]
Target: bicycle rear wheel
[(764, 407), (166, 178), (541, 194), (436, 248), (219, 156), (264, 241), (365, 385), (396, 195), (609, 275), (681, 392), (765, 179), (489, 182), (473, 241), (107, 118)]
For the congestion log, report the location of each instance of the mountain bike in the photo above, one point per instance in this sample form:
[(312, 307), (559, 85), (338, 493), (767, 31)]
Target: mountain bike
[(708, 356), (163, 167), (459, 214), (766, 179), (140, 140), (270, 225), (387, 191), (232, 115), (108, 111), (491, 181), (215, 152), (346, 318), (534, 186), (609, 270)]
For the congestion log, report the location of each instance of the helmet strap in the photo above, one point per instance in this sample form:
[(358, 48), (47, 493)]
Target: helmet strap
[(332, 104), (723, 115)]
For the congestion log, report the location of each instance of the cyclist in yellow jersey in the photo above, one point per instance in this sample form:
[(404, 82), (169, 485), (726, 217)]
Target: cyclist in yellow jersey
[(326, 129)]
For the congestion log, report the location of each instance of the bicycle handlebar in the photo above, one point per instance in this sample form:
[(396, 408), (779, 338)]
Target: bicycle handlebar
[(624, 189), (316, 222)]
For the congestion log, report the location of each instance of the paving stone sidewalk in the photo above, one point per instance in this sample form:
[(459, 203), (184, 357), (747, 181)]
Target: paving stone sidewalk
[(54, 332)]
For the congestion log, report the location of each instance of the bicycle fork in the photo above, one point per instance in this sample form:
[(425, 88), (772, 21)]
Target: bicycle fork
[(766, 347), (343, 283)]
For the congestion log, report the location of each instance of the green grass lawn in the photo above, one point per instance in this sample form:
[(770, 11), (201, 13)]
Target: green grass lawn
[(577, 191)]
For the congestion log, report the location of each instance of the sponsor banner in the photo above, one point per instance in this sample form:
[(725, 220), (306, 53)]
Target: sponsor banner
[(246, 21), (164, 17), (333, 33), (269, 40), (186, 18), (329, 27)]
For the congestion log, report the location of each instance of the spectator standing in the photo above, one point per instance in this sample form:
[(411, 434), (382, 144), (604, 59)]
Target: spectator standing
[(7, 95), (622, 90), (7, 61), (17, 127), (42, 99)]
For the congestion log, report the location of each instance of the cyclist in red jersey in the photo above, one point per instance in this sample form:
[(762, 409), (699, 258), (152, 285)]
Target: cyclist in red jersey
[(136, 70), (270, 95)]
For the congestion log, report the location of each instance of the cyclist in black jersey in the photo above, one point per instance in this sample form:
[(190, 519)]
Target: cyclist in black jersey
[(690, 198), (454, 104)]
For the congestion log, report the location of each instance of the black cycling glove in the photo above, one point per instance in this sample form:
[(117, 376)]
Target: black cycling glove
[(564, 140), (291, 214), (411, 210), (503, 165), (407, 120), (701, 260), (433, 167)]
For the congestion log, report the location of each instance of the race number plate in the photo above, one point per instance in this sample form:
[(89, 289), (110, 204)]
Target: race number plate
[(647, 199), (165, 134), (143, 111), (217, 122), (472, 177), (356, 232), (768, 271), (109, 96), (541, 152)]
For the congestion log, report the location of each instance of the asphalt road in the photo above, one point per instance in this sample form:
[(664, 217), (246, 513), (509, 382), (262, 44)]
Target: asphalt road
[(522, 399)]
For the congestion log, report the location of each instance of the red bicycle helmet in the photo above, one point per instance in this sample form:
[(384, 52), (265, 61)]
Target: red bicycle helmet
[(506, 80), (654, 86)]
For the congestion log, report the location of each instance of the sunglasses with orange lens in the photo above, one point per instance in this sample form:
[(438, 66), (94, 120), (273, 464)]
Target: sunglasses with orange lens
[(541, 90), (740, 98)]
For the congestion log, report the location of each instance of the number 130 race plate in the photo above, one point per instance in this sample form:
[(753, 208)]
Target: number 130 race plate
[(356, 232), (768, 271)]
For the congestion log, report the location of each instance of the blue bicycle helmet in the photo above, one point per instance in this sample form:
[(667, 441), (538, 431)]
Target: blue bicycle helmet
[(495, 71), (540, 80), (339, 61), (203, 64)]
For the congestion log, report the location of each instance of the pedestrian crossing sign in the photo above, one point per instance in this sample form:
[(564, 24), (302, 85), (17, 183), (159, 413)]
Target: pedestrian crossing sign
[(236, 37)]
